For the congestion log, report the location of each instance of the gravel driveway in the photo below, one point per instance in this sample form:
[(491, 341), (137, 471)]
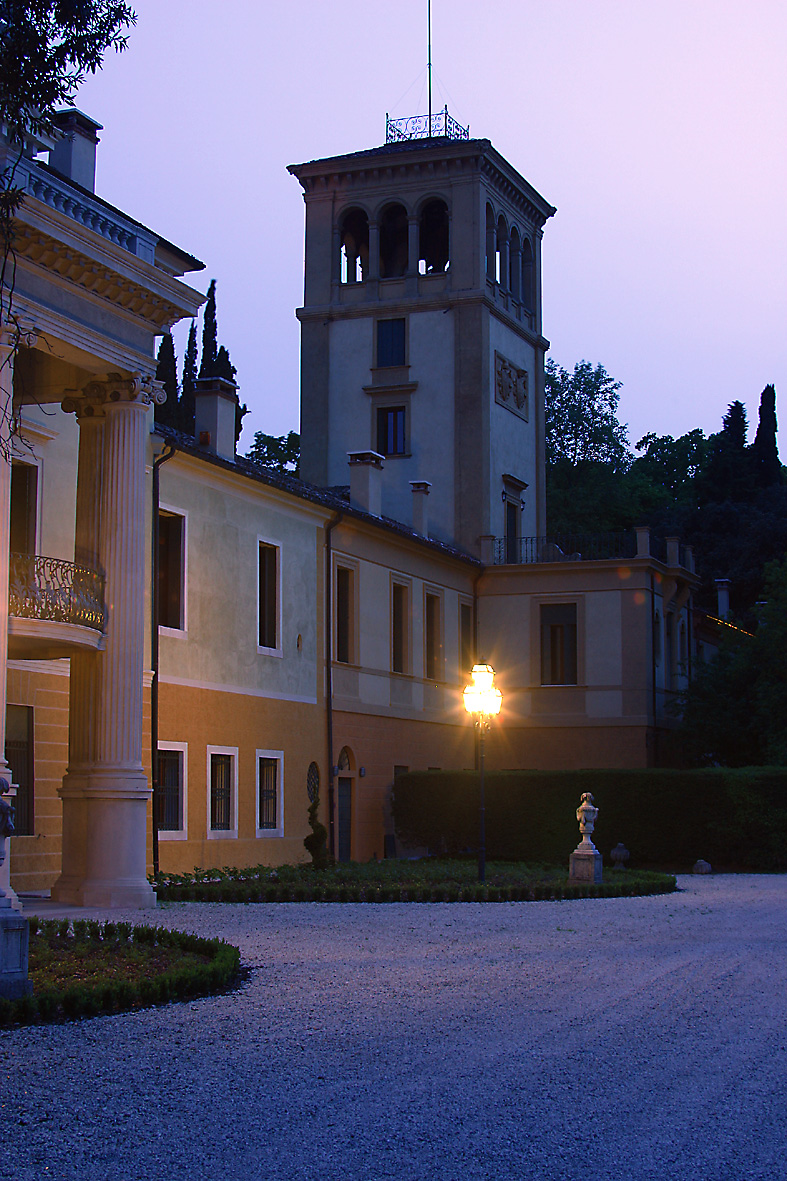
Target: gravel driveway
[(608, 1038)]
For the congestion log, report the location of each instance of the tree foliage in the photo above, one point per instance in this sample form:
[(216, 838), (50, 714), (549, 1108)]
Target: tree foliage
[(186, 404), (207, 366), (581, 417), (166, 372), (280, 452), (47, 49), (735, 711)]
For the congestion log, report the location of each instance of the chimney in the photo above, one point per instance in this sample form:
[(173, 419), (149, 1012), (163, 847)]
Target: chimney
[(74, 154), (216, 415), (421, 489), (366, 481), (723, 596)]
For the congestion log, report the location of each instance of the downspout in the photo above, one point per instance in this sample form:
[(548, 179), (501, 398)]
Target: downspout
[(329, 674), (166, 454), (476, 581)]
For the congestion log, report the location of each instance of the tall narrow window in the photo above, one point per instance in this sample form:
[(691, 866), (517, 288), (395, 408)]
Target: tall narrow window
[(19, 752), (400, 620), (268, 596), (433, 638), (466, 645), (170, 790), (344, 615), (221, 792), (268, 798), (24, 494), (513, 513), (390, 343), (171, 536), (559, 644), (391, 430)]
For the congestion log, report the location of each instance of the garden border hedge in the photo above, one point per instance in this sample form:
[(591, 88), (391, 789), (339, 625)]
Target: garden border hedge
[(118, 996)]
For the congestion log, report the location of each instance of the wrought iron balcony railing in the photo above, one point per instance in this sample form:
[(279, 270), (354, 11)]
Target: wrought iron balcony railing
[(420, 127), (564, 547), (46, 588)]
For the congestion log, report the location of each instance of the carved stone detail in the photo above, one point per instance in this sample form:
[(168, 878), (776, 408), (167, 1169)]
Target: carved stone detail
[(91, 401), (511, 387)]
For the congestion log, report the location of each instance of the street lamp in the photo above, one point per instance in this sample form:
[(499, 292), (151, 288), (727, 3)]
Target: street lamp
[(483, 701)]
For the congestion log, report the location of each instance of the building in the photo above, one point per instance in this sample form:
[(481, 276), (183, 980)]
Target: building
[(314, 634)]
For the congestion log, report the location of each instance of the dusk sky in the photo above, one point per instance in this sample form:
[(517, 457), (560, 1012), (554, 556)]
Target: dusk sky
[(658, 129)]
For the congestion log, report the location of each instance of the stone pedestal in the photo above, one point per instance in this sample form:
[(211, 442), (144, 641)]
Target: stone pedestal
[(585, 865), (14, 938)]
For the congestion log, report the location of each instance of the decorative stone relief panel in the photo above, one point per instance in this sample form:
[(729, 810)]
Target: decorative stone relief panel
[(511, 388)]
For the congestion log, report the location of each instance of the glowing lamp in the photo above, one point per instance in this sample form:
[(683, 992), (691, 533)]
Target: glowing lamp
[(483, 701)]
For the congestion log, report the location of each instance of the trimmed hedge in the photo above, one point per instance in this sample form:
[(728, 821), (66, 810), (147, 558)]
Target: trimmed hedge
[(731, 818), (626, 885), (180, 982)]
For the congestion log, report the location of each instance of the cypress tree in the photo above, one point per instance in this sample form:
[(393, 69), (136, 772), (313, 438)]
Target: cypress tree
[(166, 371), (765, 453), (209, 335), (224, 366), (186, 404), (727, 475)]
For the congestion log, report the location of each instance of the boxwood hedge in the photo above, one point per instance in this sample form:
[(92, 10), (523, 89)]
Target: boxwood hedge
[(735, 819)]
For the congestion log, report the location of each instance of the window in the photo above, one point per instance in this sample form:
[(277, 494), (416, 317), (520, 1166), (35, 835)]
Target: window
[(513, 512), (268, 597), (171, 810), (466, 645), (270, 793), (345, 590), (19, 752), (400, 628), (24, 498), (558, 644), (223, 791), (433, 638), (171, 570), (390, 430), (390, 343), (354, 240)]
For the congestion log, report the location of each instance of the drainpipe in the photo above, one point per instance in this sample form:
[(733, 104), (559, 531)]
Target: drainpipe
[(476, 581), (329, 674), (166, 454)]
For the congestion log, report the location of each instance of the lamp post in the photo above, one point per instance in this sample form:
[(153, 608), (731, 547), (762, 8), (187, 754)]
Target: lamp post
[(482, 700)]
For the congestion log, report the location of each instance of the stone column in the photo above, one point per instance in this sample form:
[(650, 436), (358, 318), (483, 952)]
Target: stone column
[(6, 413), (105, 792)]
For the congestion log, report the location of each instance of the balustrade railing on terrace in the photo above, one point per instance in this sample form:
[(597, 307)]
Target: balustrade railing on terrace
[(564, 547), (63, 592)]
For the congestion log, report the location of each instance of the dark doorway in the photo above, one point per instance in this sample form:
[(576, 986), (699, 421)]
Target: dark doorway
[(345, 817)]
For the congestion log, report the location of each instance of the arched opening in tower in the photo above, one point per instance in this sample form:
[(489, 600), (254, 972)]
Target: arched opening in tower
[(433, 238), (393, 242)]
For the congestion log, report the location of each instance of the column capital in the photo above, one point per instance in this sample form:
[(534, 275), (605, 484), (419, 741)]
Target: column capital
[(93, 400)]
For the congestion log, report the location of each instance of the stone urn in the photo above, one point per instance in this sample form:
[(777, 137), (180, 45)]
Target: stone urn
[(584, 864)]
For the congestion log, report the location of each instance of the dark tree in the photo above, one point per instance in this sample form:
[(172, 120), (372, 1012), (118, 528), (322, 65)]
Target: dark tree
[(581, 416), (186, 404), (727, 475), (224, 366), (280, 452), (166, 371), (767, 468), (207, 366)]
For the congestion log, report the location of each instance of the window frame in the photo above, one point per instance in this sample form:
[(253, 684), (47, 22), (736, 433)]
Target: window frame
[(405, 585), (278, 757), (276, 546), (231, 833), (389, 409), (352, 566), (181, 631), (550, 684), (35, 463), (434, 592), (25, 826), (182, 833), (398, 365)]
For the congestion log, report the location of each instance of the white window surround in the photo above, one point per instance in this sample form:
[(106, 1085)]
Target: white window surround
[(278, 755), (223, 834), (180, 632), (180, 834), (277, 545)]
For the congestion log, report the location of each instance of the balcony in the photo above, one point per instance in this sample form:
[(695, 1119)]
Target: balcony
[(55, 608), (564, 547)]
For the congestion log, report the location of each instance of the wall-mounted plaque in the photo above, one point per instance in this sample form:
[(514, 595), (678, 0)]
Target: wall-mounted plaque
[(511, 387)]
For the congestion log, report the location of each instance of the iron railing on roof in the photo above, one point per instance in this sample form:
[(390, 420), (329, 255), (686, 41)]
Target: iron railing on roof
[(47, 588), (564, 547), (421, 127)]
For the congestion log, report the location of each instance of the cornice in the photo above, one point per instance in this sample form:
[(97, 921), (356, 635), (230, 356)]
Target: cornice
[(61, 327)]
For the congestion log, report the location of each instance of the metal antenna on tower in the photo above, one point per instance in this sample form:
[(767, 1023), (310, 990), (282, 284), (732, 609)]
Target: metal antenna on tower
[(429, 60)]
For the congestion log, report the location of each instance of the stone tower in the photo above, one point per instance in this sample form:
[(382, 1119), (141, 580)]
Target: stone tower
[(421, 330)]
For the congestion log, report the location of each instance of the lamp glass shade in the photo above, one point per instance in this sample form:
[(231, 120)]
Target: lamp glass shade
[(482, 697)]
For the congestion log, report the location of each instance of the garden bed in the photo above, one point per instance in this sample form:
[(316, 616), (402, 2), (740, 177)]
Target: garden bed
[(82, 969), (402, 881)]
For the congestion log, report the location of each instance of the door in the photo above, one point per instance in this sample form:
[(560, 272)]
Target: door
[(345, 817)]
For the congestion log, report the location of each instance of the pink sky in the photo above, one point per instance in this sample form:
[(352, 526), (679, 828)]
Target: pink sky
[(657, 128)]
